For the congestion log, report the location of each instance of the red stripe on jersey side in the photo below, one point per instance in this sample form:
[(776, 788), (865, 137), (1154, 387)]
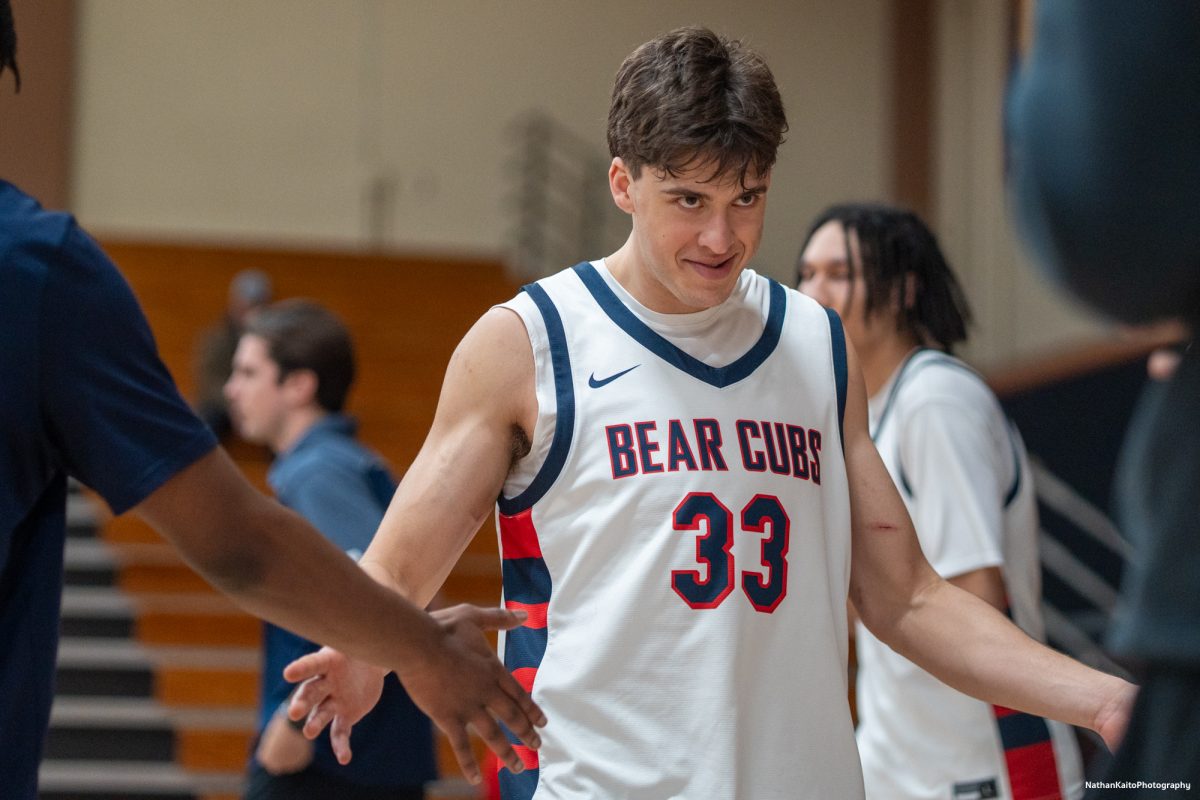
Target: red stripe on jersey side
[(529, 756), (1032, 773), (518, 538), (1028, 755), (525, 676), (536, 612)]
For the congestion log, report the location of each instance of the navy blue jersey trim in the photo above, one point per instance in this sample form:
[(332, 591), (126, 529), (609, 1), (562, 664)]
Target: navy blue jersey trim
[(905, 486), (518, 787), (904, 483), (1016, 485), (1021, 730), (946, 361), (526, 580), (837, 338), (891, 398), (525, 648), (719, 377), (564, 417)]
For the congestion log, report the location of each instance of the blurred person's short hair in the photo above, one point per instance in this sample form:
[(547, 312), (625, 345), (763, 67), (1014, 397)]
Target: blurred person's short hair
[(301, 334)]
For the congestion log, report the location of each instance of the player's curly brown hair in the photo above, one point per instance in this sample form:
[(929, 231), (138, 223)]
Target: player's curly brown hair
[(691, 98)]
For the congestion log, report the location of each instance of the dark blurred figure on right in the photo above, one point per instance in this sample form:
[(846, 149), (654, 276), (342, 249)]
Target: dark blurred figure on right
[(249, 292), (1104, 160)]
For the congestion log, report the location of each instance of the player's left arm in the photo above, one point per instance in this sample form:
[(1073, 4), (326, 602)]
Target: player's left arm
[(957, 637)]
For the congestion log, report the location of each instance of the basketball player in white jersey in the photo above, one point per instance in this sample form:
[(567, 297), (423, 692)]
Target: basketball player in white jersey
[(963, 474), (688, 491)]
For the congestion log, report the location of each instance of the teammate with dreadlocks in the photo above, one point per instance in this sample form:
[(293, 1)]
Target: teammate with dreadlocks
[(962, 471)]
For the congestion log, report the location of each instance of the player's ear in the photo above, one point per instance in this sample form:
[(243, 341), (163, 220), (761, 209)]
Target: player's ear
[(300, 385), (619, 183)]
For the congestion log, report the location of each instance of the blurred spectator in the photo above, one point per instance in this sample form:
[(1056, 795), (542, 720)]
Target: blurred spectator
[(962, 470), (292, 370), (249, 291)]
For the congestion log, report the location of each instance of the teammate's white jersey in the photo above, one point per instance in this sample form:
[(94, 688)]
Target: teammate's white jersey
[(680, 538), (963, 473)]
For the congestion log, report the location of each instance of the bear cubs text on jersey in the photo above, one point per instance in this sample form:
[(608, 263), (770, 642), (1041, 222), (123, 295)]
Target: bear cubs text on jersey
[(643, 448)]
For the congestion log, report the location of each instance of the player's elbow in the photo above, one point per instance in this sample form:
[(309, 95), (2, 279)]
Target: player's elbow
[(878, 617), (887, 603), (235, 572), (240, 546)]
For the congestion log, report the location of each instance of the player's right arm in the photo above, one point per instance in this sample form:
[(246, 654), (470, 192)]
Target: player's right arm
[(113, 418), (487, 409)]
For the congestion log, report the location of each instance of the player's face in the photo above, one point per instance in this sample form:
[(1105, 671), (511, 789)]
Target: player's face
[(691, 237), (256, 398), (831, 274)]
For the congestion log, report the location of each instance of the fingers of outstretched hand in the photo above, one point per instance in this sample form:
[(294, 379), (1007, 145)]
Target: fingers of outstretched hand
[(516, 709), (498, 619), (339, 737), (491, 618), (1113, 719), (460, 743), (309, 666), (494, 737), (306, 697), (318, 718)]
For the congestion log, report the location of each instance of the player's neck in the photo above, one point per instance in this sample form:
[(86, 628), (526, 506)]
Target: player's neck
[(879, 363), (625, 268), (298, 423), (629, 270)]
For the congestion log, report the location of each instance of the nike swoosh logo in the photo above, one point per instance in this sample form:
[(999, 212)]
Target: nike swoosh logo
[(596, 384)]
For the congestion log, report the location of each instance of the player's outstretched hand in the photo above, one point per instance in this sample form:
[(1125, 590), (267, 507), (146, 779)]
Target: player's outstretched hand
[(335, 689), (456, 680), (1114, 715), (463, 685)]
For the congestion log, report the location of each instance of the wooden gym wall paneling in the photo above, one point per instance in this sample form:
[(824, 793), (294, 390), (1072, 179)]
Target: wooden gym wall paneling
[(406, 316)]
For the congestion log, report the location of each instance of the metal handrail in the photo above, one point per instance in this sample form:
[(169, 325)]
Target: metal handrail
[(560, 208)]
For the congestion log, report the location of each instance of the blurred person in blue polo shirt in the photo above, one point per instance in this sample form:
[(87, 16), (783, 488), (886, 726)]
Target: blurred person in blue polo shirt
[(292, 370)]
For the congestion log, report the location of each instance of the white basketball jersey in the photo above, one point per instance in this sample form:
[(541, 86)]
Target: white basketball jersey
[(680, 539), (964, 476)]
